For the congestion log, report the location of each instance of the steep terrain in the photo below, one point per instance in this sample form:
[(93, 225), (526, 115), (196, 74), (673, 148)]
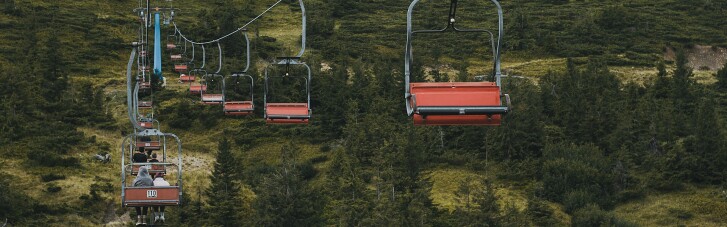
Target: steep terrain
[(359, 143)]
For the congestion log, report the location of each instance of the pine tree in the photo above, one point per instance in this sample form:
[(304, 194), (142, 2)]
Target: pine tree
[(522, 134), (722, 79), (223, 195), (709, 144), (488, 211), (349, 204), (284, 199), (662, 84)]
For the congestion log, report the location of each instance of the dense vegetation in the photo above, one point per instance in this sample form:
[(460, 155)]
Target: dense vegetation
[(578, 141)]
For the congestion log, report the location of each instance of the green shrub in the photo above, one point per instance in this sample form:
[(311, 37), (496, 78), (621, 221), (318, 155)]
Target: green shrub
[(575, 200), (52, 177), (53, 188), (592, 215)]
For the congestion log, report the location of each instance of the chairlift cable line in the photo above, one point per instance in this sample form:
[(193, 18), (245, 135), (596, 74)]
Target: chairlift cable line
[(244, 27), (229, 34)]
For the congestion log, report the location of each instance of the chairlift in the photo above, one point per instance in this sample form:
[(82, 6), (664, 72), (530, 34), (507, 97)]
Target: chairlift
[(287, 113), (214, 92), (198, 88), (133, 196), (236, 106), (455, 103)]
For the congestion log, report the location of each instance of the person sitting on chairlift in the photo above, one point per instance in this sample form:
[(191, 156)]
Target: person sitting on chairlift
[(159, 210), (142, 179), (153, 158), (140, 157)]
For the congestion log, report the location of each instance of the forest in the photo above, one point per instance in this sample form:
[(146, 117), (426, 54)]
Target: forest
[(614, 121)]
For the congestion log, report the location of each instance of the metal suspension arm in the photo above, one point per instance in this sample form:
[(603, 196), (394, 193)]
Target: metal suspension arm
[(130, 93), (303, 32), (219, 67)]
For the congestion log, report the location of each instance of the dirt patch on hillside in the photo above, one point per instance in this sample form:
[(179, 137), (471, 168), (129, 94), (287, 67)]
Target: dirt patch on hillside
[(701, 57)]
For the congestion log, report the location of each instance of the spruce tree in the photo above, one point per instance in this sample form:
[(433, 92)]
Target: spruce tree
[(284, 199), (223, 195), (722, 79)]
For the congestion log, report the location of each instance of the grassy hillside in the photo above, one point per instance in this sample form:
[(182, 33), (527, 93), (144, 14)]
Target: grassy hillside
[(356, 121)]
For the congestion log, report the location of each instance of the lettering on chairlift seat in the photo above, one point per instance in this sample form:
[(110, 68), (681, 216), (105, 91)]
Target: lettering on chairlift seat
[(151, 193), (147, 144)]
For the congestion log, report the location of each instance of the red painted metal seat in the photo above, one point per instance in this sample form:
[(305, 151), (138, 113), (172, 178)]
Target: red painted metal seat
[(176, 57), (456, 103), (197, 89), (238, 108), (148, 145), (171, 46), (287, 113), (145, 104), (146, 125), (152, 171), (184, 78), (212, 99), (180, 68), (151, 196), (144, 85)]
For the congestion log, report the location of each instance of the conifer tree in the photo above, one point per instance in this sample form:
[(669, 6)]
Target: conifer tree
[(722, 79), (223, 195), (284, 199)]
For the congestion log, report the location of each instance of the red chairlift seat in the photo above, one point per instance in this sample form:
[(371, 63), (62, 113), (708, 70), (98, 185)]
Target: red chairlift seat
[(171, 46), (146, 125), (151, 196), (197, 89), (184, 78), (144, 85), (181, 68), (456, 103), (148, 145), (176, 57), (287, 113), (145, 104), (238, 108), (153, 171), (212, 99)]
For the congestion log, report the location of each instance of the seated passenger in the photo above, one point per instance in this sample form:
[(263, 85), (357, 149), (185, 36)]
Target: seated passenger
[(153, 158), (143, 179), (159, 210), (139, 156)]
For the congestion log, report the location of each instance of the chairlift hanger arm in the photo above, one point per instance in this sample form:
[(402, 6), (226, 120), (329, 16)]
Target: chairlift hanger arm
[(204, 57), (219, 50), (130, 98), (247, 45)]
